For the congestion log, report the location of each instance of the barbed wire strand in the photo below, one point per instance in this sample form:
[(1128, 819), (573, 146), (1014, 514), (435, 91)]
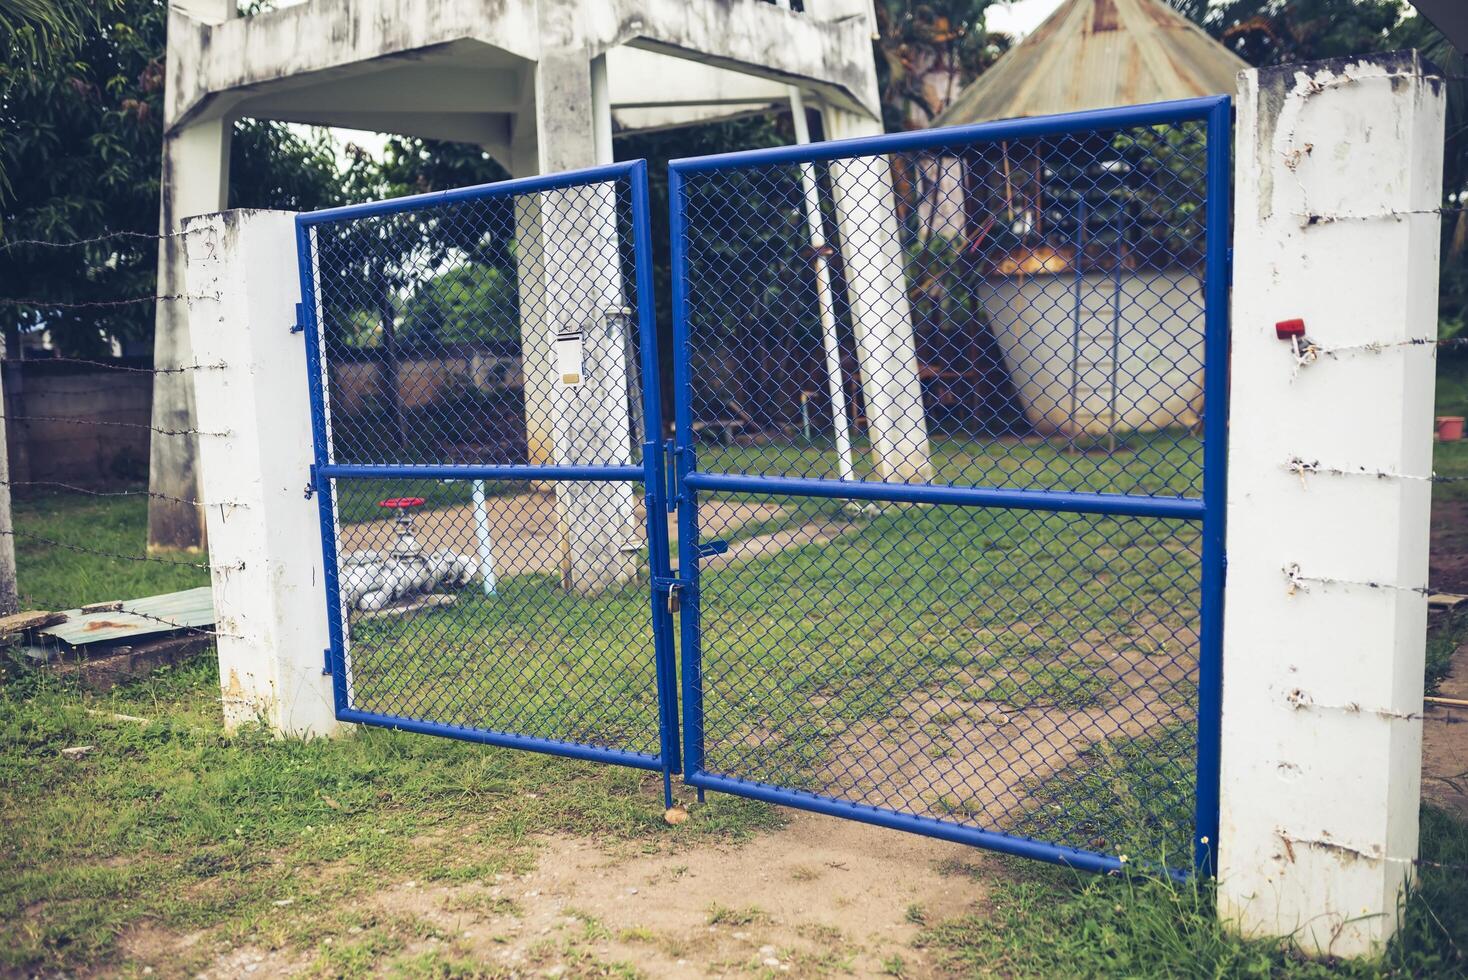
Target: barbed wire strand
[(220, 365), (95, 239), (110, 554), (125, 425), (47, 304), (73, 488)]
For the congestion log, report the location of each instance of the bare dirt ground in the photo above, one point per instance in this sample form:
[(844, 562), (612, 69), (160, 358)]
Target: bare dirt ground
[(1445, 742), (996, 749), (819, 897), (523, 531)]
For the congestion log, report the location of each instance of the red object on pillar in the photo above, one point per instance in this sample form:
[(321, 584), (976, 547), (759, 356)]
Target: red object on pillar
[(1287, 329)]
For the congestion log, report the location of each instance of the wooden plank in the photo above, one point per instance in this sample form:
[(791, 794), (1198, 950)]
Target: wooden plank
[(1445, 600), (22, 621)]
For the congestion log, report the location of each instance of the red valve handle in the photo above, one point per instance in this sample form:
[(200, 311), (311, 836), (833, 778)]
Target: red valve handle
[(401, 502)]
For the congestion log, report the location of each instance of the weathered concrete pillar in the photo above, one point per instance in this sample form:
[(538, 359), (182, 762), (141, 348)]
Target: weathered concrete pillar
[(1339, 173), (582, 293), (886, 348), (264, 534), (195, 180)]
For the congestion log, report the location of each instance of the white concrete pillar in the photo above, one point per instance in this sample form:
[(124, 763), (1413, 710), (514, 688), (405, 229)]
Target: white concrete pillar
[(886, 348), (1339, 172), (195, 180), (581, 293), (264, 534)]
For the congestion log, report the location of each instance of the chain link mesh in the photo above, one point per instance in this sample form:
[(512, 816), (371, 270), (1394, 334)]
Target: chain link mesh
[(1023, 315), (492, 329)]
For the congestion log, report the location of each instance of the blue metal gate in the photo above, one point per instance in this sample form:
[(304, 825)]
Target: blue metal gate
[(483, 371), (951, 415), (948, 473)]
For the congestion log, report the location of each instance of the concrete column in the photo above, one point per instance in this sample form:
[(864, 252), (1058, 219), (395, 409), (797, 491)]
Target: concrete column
[(1339, 171), (581, 292), (886, 349), (264, 534), (195, 181)]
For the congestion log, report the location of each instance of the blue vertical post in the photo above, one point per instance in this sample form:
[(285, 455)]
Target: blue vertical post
[(1215, 482), (652, 463), (316, 381), (687, 498)]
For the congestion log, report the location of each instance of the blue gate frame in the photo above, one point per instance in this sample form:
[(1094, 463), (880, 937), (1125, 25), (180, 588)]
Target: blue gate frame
[(1206, 509), (327, 470)]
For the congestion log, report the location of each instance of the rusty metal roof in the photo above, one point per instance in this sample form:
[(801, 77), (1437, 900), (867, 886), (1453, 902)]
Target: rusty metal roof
[(1094, 54), (136, 618)]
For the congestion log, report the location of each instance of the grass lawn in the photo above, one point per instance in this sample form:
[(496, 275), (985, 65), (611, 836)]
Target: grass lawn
[(171, 826)]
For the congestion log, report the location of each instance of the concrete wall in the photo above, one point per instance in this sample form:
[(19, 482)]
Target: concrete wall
[(70, 450)]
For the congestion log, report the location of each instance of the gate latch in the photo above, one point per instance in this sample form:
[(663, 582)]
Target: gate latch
[(671, 587)]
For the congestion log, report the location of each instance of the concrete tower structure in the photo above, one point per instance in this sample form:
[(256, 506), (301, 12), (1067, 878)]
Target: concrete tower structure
[(539, 84)]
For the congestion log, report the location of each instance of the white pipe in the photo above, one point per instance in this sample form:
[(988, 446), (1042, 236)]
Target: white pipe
[(481, 536), (830, 340), (601, 110)]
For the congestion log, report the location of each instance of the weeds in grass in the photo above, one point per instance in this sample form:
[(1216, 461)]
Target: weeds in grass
[(1042, 922), (722, 915)]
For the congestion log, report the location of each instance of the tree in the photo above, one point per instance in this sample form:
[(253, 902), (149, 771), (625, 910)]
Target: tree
[(927, 52), (1273, 32), (83, 152), (42, 28)]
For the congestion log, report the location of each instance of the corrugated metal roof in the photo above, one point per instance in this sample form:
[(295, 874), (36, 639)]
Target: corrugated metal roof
[(1094, 54), (189, 608)]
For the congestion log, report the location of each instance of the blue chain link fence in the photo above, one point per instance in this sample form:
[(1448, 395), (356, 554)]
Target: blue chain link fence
[(478, 378), (945, 482), (950, 406)]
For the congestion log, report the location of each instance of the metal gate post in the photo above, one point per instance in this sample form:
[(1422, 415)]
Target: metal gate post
[(652, 463), (686, 496), (1215, 483), (309, 322)]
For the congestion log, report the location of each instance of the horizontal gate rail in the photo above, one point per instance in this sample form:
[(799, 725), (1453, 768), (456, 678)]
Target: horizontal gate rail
[(470, 472), (1183, 508)]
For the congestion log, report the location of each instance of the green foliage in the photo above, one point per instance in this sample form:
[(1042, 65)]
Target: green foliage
[(41, 29), (927, 50), (68, 574), (467, 304), (1051, 922), (82, 155), (176, 825)]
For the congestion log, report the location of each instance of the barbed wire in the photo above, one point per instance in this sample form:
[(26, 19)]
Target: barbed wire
[(128, 367), (64, 420), (72, 488), (46, 304), (179, 626), (1302, 468), (1310, 218), (95, 239), (17, 534)]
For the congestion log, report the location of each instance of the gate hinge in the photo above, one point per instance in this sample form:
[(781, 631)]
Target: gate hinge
[(707, 549), (310, 489), (300, 323), (326, 662)]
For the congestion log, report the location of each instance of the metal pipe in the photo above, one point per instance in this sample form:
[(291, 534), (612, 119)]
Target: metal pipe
[(481, 537), (830, 339)]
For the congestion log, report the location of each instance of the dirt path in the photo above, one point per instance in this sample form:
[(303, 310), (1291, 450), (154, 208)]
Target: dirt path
[(819, 897), (523, 529), (1445, 742)]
